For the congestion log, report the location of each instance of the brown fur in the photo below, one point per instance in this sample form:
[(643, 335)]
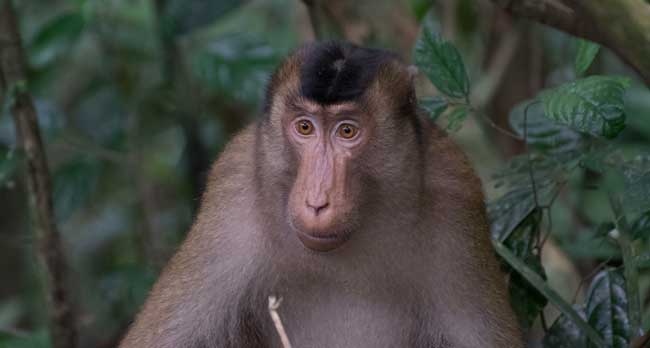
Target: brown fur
[(418, 271)]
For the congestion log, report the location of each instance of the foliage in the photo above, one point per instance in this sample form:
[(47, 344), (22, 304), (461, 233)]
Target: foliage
[(565, 130), (587, 52), (442, 63), (606, 311), (591, 105)]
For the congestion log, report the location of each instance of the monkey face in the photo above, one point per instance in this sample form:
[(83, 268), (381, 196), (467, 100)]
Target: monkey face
[(337, 109), (326, 191)]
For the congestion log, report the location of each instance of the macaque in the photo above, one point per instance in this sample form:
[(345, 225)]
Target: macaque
[(346, 202)]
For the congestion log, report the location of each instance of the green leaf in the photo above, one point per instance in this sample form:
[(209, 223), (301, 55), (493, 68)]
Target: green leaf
[(535, 280), (434, 106), (510, 209), (542, 133), (420, 8), (587, 51), (607, 309), (442, 64), (591, 105), (526, 301), (456, 118), (564, 333), (56, 37), (507, 212), (599, 159), (184, 16)]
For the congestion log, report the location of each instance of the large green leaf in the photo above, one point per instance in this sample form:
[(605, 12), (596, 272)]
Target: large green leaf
[(607, 309), (542, 133), (564, 333), (587, 51), (56, 37), (526, 301), (511, 208), (507, 212), (535, 280), (442, 64), (434, 106), (592, 105), (183, 16)]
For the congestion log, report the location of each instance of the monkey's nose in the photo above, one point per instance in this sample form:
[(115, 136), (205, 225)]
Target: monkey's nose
[(317, 207)]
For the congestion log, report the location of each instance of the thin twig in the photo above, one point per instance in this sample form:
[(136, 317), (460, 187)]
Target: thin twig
[(584, 279), (88, 147), (530, 164), (631, 272), (313, 18), (498, 128), (274, 304)]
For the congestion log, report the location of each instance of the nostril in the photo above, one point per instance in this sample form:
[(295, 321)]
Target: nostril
[(318, 207)]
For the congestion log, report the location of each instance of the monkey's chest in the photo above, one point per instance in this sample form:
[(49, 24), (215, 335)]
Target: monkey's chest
[(335, 319)]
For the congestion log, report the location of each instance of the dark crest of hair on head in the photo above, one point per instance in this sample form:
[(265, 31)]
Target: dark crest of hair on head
[(335, 72)]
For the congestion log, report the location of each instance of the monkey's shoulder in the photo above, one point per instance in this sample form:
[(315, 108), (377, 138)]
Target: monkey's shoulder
[(235, 164), (229, 186), (448, 168), (227, 202)]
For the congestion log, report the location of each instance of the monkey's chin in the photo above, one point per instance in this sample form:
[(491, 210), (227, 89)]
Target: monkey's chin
[(322, 242)]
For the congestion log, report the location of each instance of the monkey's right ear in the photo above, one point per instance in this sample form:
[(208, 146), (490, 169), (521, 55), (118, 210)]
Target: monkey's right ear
[(413, 71)]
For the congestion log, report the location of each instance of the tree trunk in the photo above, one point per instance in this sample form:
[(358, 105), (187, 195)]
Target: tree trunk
[(12, 66)]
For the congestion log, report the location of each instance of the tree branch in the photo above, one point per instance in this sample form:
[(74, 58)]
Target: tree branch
[(592, 20), (12, 64), (313, 18)]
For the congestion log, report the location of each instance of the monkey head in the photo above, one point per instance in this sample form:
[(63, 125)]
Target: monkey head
[(332, 112)]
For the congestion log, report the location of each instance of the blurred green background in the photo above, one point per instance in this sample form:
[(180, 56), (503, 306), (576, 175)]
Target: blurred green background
[(136, 98)]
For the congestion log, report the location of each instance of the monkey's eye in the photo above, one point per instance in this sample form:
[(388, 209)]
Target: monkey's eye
[(304, 127), (347, 131)]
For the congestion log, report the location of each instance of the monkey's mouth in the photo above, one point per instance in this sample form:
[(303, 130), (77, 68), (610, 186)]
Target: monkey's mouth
[(323, 241)]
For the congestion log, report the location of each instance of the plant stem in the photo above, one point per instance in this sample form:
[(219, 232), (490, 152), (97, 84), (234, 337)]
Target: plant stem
[(631, 272)]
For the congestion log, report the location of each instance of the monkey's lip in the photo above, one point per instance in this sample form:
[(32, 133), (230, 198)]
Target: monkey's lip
[(322, 242)]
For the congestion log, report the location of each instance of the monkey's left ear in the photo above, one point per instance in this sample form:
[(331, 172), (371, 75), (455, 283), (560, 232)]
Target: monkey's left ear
[(413, 71)]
